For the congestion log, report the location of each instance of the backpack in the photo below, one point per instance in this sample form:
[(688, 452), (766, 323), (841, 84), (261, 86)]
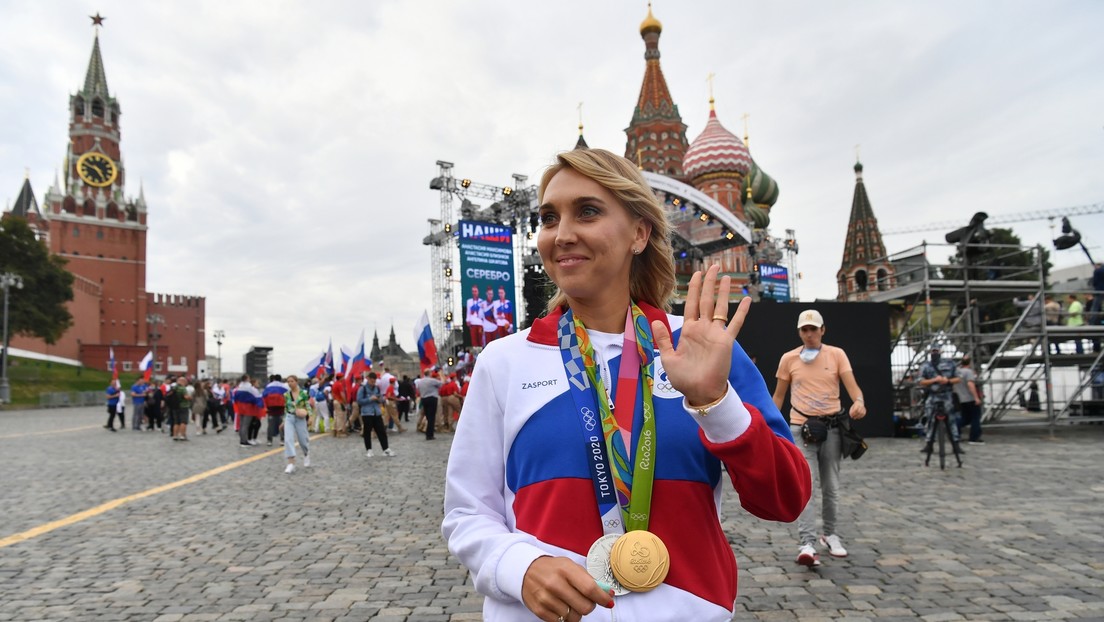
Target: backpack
[(175, 398)]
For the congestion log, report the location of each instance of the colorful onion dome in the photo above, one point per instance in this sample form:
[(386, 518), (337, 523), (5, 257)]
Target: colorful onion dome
[(757, 216), (716, 150), (650, 23), (764, 190)]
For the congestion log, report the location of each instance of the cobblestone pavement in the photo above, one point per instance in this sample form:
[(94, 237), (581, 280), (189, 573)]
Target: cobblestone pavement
[(1015, 535)]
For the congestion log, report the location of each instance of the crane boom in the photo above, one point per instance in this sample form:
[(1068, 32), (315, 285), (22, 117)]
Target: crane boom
[(1077, 210)]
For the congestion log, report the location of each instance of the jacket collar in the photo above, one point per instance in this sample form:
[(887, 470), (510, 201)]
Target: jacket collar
[(545, 330)]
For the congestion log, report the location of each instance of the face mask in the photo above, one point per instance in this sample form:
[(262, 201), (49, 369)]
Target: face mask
[(807, 354), (935, 358)]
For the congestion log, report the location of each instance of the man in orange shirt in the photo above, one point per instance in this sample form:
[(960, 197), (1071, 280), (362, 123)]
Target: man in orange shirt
[(814, 372)]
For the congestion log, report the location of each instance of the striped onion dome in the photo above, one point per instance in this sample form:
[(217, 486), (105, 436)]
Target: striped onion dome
[(716, 150), (764, 190), (757, 216)]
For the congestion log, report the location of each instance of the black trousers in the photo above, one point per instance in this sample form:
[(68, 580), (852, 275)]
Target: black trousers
[(429, 404), (403, 407), (111, 414), (211, 414), (374, 422), (153, 414)]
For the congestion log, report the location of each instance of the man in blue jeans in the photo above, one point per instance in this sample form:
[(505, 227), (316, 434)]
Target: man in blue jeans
[(814, 372)]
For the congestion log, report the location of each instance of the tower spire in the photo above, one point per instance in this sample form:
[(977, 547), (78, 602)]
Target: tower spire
[(656, 128), (581, 143), (864, 266), (95, 79)]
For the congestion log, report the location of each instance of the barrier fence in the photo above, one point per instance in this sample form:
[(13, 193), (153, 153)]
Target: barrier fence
[(62, 399)]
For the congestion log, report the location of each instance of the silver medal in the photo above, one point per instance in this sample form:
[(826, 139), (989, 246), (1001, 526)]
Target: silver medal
[(598, 563)]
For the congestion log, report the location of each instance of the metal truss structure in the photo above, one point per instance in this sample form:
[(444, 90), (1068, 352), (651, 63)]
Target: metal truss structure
[(514, 206), (981, 302)]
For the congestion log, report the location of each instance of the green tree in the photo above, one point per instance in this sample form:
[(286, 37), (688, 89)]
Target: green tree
[(1003, 258), (37, 310)]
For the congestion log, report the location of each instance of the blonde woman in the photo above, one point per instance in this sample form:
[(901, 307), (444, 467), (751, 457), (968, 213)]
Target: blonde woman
[(296, 415), (571, 425)]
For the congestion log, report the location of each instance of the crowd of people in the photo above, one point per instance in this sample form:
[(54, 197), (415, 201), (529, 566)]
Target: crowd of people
[(373, 404), (1077, 310)]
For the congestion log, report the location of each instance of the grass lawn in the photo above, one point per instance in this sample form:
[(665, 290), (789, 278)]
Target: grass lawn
[(29, 377)]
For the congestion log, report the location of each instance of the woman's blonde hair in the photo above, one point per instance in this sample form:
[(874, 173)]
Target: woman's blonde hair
[(652, 275)]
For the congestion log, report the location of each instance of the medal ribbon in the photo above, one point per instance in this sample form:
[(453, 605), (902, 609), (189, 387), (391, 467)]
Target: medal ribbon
[(632, 483)]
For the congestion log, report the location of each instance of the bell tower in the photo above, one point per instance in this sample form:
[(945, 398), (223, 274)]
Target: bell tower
[(865, 267), (93, 225)]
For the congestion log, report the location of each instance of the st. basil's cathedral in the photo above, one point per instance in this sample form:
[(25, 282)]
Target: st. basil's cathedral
[(719, 164)]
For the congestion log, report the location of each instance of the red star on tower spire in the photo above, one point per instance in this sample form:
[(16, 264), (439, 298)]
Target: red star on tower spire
[(97, 19)]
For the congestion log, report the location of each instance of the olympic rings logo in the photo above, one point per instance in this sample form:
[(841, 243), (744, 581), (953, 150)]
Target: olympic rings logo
[(588, 418), (637, 516)]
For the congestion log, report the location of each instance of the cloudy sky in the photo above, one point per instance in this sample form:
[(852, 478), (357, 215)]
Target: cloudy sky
[(286, 147)]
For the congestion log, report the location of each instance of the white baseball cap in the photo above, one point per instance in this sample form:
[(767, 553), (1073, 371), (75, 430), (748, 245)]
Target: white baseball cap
[(810, 317)]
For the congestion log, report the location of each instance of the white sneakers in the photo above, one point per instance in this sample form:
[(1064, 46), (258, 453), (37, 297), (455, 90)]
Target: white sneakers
[(291, 466), (807, 556), (835, 547), (369, 453), (388, 452)]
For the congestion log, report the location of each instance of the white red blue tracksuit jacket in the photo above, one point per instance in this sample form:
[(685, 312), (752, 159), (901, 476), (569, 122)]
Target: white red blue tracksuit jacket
[(518, 485)]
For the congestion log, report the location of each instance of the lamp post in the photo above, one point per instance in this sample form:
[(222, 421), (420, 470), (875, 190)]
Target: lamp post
[(219, 336), (7, 280), (1069, 238)]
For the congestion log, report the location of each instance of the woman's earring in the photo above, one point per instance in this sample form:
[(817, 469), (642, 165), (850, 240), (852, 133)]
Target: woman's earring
[(636, 251)]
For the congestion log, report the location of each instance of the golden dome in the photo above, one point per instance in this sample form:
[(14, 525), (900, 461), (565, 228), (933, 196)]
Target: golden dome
[(650, 23)]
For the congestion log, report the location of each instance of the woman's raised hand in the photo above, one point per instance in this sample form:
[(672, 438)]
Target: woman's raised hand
[(699, 367)]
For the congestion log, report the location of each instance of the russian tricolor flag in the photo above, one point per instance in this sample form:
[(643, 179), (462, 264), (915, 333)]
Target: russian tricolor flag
[(146, 366), (328, 362), (359, 363), (346, 356), (427, 349), (316, 366)]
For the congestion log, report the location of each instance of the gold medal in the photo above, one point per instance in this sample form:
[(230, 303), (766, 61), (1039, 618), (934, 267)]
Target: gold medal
[(639, 561)]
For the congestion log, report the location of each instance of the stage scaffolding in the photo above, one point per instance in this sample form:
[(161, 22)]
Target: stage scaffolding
[(982, 307), (513, 206)]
